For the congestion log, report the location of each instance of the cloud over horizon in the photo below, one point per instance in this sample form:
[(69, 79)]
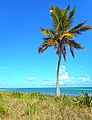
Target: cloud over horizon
[(63, 73), (67, 80), (64, 76)]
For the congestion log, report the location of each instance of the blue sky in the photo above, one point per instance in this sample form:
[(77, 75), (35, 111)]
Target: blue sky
[(20, 63)]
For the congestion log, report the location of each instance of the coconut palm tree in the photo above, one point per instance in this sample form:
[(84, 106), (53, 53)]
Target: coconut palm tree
[(62, 35)]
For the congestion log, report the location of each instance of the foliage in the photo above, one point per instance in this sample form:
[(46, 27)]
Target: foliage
[(39, 95), (17, 94), (84, 99), (58, 98), (35, 94), (31, 109), (63, 33), (37, 106), (1, 96), (3, 110)]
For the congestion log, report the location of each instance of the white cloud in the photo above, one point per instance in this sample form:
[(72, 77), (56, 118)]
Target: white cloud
[(83, 78), (63, 74), (31, 78), (66, 80)]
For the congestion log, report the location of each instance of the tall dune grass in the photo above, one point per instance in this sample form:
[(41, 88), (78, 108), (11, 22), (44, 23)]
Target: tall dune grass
[(36, 106)]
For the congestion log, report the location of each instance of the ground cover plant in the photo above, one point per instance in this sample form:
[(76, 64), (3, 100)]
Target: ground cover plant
[(37, 106)]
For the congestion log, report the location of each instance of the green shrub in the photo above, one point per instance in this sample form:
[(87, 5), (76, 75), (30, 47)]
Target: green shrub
[(3, 110), (17, 94), (58, 98), (65, 99), (84, 99), (31, 109), (1, 96), (39, 96), (34, 94)]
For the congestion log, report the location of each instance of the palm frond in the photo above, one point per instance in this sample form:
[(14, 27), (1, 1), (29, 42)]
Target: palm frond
[(66, 35), (73, 44), (65, 13), (62, 35), (77, 26), (76, 44), (56, 13), (48, 42), (83, 29), (57, 49), (71, 14), (47, 32), (71, 50), (64, 20), (64, 52), (46, 38), (70, 47), (43, 47), (78, 29)]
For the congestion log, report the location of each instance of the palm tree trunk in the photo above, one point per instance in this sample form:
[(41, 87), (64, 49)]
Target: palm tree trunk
[(57, 78)]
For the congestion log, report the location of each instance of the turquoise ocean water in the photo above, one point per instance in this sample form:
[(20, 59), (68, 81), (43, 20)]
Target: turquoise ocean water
[(74, 91)]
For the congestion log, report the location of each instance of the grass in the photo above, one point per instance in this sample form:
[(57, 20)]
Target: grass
[(36, 106)]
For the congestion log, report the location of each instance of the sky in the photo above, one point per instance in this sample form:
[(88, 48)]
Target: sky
[(21, 66)]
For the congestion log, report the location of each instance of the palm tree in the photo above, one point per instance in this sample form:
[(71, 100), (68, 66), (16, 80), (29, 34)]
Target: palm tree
[(62, 35)]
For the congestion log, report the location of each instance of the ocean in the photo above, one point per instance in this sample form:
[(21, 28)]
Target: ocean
[(73, 91)]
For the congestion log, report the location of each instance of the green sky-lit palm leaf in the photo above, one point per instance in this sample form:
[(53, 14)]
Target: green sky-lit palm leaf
[(62, 20), (47, 43), (72, 12), (77, 27), (76, 44), (56, 13), (64, 52), (47, 32), (83, 29)]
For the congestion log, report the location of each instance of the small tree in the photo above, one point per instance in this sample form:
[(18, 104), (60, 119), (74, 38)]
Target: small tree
[(62, 35)]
